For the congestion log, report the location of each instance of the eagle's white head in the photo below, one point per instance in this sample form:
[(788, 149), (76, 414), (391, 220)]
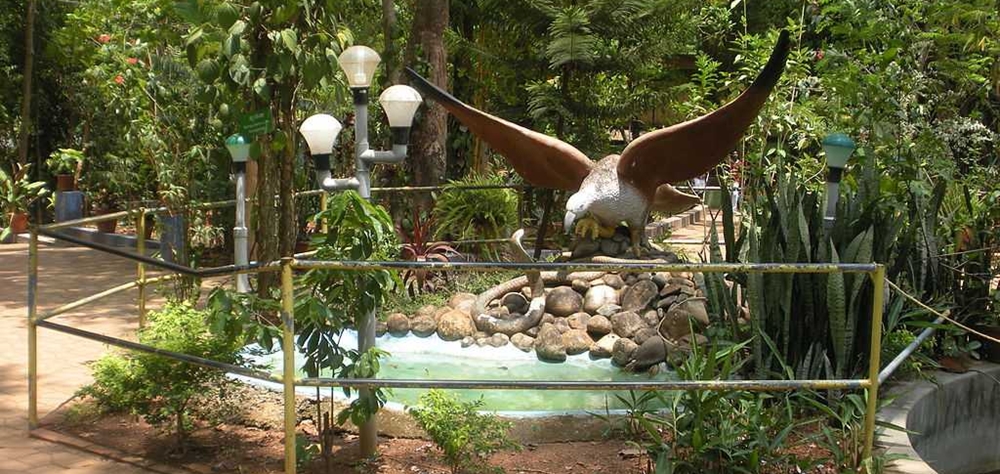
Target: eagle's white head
[(576, 206)]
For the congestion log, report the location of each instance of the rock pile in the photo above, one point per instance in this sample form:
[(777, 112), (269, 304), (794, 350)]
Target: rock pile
[(636, 319)]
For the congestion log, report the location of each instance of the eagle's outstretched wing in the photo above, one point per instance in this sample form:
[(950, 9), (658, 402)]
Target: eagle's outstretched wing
[(689, 149), (541, 160)]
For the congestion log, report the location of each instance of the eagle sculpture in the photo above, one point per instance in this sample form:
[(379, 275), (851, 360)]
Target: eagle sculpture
[(626, 187)]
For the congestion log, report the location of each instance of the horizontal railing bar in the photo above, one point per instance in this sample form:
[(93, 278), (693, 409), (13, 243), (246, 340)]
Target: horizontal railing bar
[(162, 278), (121, 253), (253, 267), (99, 296), (87, 300), (87, 220), (135, 346), (647, 267), (909, 350), (716, 385)]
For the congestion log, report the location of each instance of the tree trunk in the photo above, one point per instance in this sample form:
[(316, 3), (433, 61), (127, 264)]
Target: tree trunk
[(390, 56), (29, 65), (429, 134), (288, 228)]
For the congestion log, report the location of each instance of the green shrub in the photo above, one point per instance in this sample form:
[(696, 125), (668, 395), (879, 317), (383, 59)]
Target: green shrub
[(465, 436), (475, 214), (159, 389)]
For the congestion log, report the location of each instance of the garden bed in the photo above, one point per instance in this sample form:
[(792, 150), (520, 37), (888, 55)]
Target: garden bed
[(250, 441), (242, 432)]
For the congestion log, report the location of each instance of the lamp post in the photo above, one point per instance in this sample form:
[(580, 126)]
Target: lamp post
[(838, 148), (320, 133), (239, 150)]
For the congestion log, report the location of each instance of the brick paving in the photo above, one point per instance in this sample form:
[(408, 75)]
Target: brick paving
[(65, 274)]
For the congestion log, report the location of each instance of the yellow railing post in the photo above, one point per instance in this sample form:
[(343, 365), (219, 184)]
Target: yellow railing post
[(33, 330), (322, 208), (140, 244), (878, 301), (288, 376)]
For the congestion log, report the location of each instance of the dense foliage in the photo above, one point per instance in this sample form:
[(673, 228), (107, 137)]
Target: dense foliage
[(135, 97), (160, 389)]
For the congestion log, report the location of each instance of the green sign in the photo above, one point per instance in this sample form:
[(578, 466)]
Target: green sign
[(257, 123)]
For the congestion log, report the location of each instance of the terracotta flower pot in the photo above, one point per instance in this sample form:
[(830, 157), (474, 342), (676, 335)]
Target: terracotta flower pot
[(109, 226), (18, 222), (65, 182), (301, 246)]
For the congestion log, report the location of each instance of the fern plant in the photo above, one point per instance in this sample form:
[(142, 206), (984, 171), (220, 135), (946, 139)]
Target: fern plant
[(475, 213)]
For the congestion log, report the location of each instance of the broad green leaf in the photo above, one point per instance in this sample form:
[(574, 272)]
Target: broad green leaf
[(194, 36), (208, 70), (290, 39), (238, 27), (226, 14)]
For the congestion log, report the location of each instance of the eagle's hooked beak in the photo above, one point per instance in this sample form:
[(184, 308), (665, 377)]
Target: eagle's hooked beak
[(568, 222)]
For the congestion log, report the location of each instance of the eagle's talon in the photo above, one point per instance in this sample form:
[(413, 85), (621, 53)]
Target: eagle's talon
[(589, 227)]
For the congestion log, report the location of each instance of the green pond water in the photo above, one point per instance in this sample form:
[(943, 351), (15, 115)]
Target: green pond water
[(413, 357)]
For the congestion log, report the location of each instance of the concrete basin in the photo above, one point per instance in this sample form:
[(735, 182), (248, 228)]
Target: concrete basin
[(953, 424)]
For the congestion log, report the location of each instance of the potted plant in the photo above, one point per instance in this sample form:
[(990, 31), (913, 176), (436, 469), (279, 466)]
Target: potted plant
[(17, 192), (105, 201), (64, 163)]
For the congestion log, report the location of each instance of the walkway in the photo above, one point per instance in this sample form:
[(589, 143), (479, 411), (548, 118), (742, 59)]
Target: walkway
[(66, 274)]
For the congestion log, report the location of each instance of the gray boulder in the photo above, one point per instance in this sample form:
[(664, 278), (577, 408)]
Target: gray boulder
[(599, 325), (563, 301), (608, 310), (549, 344), (522, 341), (423, 326), (660, 279), (562, 324), (614, 280), (651, 317), (622, 351), (398, 324), (650, 353), (498, 340), (427, 310), (576, 341), (695, 309), (598, 296), (603, 348), (578, 320), (627, 323), (455, 325), (638, 296), (644, 334)]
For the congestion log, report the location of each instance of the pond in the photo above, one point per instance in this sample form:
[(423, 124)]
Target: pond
[(413, 357)]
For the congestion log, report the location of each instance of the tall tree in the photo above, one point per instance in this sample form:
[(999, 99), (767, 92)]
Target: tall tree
[(29, 64), (262, 58), (426, 52)]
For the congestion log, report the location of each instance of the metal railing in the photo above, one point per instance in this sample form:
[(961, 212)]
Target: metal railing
[(287, 267)]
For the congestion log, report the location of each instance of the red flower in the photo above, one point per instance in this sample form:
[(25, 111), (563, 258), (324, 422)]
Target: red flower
[(104, 38), (119, 79), (818, 54), (132, 61)]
